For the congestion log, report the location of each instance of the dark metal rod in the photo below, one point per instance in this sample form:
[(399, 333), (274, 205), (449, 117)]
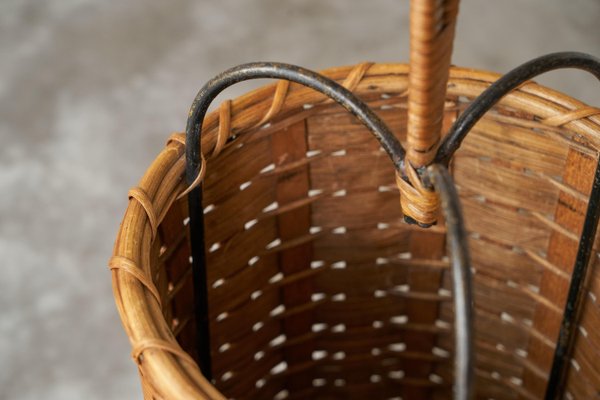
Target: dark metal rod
[(461, 281), (566, 336), (196, 223), (193, 151), (486, 100)]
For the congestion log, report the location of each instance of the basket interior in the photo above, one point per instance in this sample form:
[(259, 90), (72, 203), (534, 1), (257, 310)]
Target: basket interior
[(318, 289)]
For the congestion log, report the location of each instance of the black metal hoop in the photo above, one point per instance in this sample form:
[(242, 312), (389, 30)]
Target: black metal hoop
[(482, 104), (197, 113)]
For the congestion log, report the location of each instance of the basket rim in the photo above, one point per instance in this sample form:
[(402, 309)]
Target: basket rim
[(163, 365)]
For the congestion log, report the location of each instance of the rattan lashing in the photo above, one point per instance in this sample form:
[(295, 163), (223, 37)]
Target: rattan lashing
[(532, 112)]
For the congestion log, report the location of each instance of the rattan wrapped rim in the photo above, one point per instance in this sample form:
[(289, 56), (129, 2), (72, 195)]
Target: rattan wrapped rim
[(163, 365)]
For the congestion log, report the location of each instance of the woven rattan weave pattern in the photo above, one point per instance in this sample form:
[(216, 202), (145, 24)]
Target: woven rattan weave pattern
[(364, 308)]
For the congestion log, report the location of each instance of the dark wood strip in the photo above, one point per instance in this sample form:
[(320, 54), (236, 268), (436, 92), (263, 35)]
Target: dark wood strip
[(289, 146), (562, 250)]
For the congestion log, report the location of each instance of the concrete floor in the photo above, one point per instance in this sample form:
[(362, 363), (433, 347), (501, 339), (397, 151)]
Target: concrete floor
[(89, 91)]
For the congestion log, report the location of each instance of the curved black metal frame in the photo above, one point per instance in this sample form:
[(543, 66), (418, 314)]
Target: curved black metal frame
[(450, 202), (443, 183), (292, 73), (196, 116), (482, 104)]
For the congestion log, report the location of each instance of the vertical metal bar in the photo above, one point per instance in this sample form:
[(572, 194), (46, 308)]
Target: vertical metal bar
[(196, 225), (566, 337), (461, 281)]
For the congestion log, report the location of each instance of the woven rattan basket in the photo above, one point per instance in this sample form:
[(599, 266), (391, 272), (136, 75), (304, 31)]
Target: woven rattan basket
[(265, 254), (317, 289)]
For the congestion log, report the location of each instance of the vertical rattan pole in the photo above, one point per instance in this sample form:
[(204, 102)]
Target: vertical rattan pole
[(432, 25)]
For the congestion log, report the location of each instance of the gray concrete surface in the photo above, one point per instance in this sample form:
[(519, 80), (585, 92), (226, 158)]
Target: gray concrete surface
[(90, 89)]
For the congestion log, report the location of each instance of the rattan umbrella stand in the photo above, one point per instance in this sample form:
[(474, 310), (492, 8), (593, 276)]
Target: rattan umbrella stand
[(278, 265)]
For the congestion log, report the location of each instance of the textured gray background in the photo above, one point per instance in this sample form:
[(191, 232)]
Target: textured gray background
[(90, 89)]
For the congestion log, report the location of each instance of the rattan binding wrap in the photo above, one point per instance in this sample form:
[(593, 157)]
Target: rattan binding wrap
[(317, 289), (432, 25)]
